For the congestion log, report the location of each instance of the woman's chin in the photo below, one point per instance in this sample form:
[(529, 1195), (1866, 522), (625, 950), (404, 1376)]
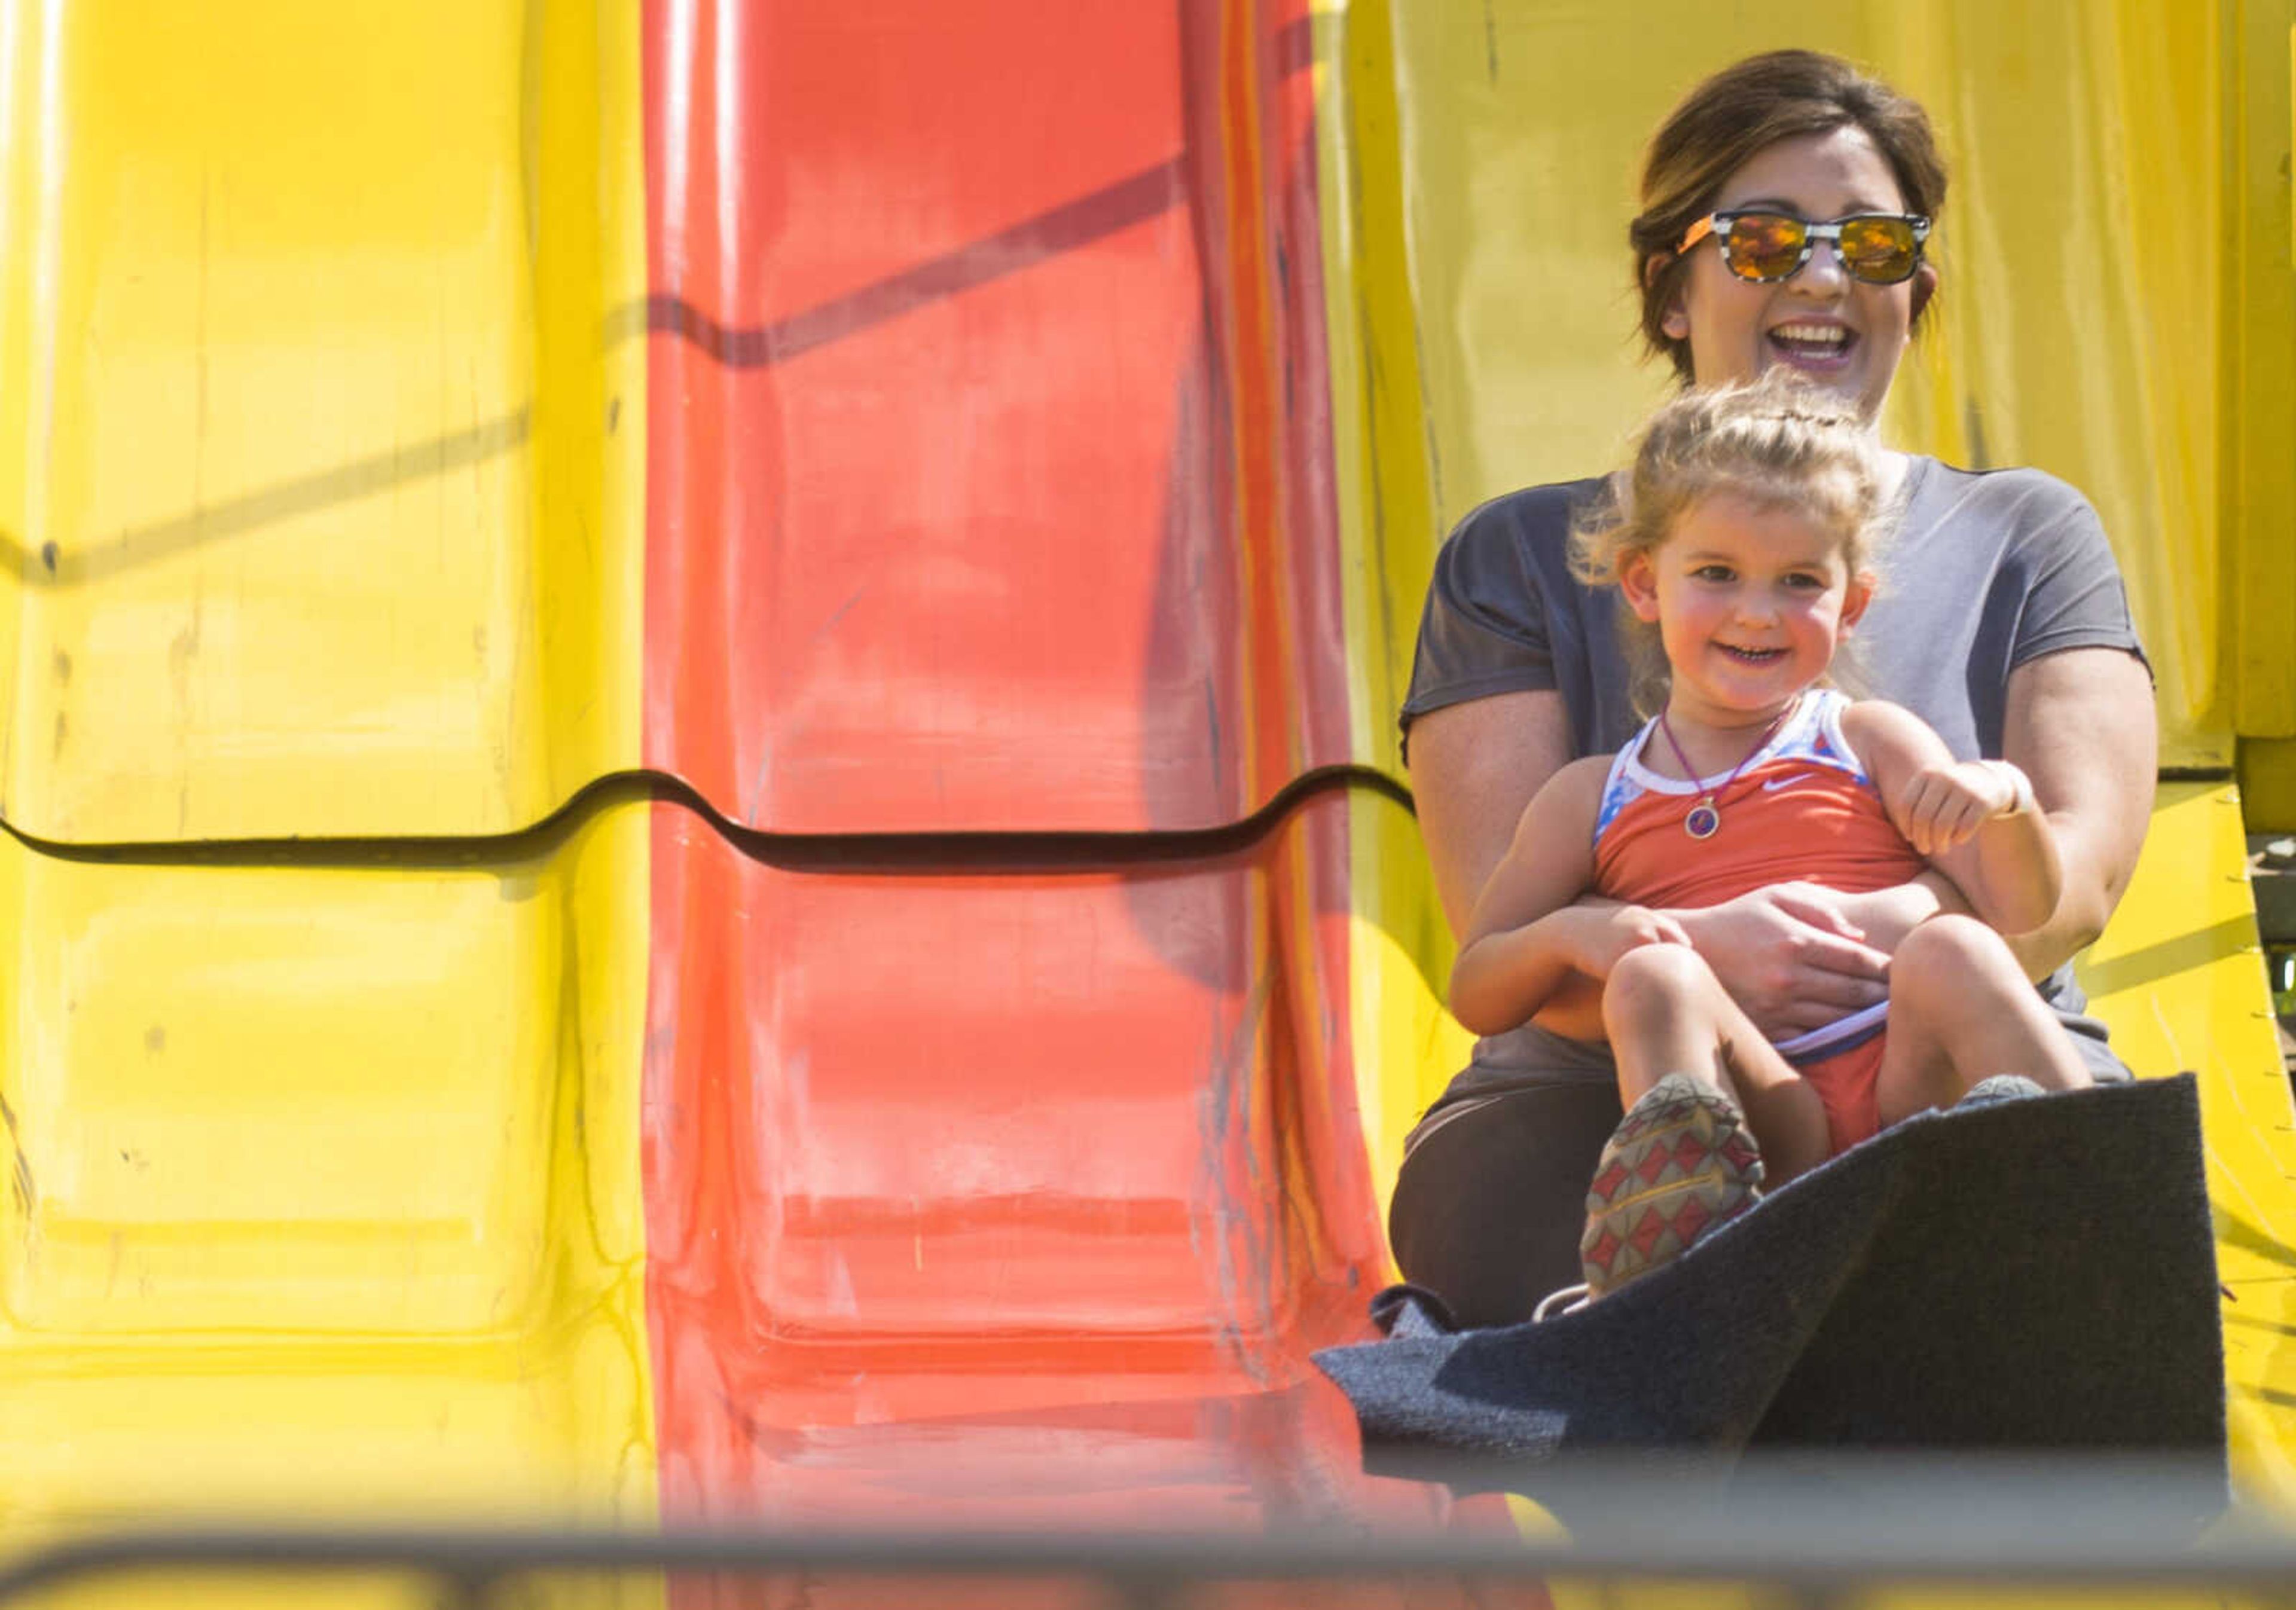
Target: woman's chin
[(1849, 375), (1840, 372)]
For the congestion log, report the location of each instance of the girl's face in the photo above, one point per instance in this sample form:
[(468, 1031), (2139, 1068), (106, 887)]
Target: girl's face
[(1843, 333), (1750, 600)]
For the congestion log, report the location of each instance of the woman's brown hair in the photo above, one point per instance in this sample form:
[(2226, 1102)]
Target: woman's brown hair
[(1745, 109)]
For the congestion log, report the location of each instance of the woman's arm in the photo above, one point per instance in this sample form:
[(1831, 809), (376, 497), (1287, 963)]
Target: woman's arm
[(1474, 768), (1975, 821), (1527, 934), (2081, 724)]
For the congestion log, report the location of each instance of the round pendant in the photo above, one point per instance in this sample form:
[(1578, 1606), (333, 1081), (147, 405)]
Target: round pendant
[(1702, 821)]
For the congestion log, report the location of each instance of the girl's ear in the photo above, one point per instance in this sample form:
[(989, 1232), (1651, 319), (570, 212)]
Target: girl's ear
[(1638, 584), (1854, 603)]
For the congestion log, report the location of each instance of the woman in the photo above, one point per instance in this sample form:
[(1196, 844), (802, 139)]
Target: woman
[(2009, 633)]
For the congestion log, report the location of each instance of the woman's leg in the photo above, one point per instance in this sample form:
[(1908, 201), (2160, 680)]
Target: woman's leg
[(1666, 1013), (1962, 1010), (1491, 1198)]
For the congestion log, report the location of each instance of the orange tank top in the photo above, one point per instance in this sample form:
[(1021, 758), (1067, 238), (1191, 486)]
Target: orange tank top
[(1802, 810)]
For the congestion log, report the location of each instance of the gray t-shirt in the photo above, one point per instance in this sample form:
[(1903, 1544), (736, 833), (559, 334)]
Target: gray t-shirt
[(1986, 570)]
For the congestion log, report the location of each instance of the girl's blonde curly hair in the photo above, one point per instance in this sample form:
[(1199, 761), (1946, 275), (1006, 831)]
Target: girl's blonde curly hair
[(1777, 442)]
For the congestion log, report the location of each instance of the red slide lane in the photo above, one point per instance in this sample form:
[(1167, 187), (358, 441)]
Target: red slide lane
[(1011, 1202), (1049, 1163), (989, 480), (989, 489)]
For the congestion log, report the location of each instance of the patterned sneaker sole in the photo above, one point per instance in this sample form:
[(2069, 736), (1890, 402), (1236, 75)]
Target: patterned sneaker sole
[(1679, 1163)]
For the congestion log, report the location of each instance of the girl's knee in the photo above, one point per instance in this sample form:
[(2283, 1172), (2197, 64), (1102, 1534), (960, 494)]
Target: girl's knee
[(1953, 953), (1654, 978)]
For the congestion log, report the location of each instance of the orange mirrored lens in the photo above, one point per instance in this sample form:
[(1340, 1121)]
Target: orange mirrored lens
[(1878, 249), (1765, 246)]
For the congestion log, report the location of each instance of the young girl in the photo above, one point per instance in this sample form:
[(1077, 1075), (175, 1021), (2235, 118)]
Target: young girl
[(1742, 542)]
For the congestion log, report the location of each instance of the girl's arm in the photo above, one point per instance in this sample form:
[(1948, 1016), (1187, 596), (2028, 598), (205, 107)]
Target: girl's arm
[(1526, 938), (1976, 821)]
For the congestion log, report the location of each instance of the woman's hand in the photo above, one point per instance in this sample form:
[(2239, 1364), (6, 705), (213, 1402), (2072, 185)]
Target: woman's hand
[(1789, 955)]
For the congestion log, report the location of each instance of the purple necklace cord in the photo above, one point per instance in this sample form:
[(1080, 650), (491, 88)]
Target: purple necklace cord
[(1704, 817)]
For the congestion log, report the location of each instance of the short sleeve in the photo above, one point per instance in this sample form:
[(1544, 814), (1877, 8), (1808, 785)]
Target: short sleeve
[(2074, 596), (1485, 629)]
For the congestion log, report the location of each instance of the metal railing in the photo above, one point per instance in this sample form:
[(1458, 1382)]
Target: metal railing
[(1820, 1533)]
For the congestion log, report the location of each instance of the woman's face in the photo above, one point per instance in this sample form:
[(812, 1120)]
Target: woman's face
[(1842, 333)]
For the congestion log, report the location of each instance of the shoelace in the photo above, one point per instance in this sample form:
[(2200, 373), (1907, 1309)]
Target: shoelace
[(1547, 1304)]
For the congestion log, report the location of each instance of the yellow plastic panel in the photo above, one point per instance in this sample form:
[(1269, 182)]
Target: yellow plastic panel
[(1400, 965), (2179, 977), (320, 481), (1483, 160), (323, 1185)]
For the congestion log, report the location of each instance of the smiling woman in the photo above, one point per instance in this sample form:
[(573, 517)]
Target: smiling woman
[(1787, 205)]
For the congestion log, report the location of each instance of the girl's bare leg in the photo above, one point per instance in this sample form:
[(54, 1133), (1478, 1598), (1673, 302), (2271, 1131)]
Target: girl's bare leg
[(1962, 1010), (1666, 1013)]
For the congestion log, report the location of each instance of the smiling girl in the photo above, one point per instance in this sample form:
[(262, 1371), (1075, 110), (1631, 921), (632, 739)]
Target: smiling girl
[(1741, 543)]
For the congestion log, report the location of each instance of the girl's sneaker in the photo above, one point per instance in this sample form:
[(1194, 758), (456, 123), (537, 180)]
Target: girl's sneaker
[(1680, 1163), (1999, 1088)]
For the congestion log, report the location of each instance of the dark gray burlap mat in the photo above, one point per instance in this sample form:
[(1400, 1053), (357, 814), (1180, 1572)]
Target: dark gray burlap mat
[(2036, 1275)]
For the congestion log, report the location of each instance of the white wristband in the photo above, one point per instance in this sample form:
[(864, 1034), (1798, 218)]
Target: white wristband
[(2020, 800)]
